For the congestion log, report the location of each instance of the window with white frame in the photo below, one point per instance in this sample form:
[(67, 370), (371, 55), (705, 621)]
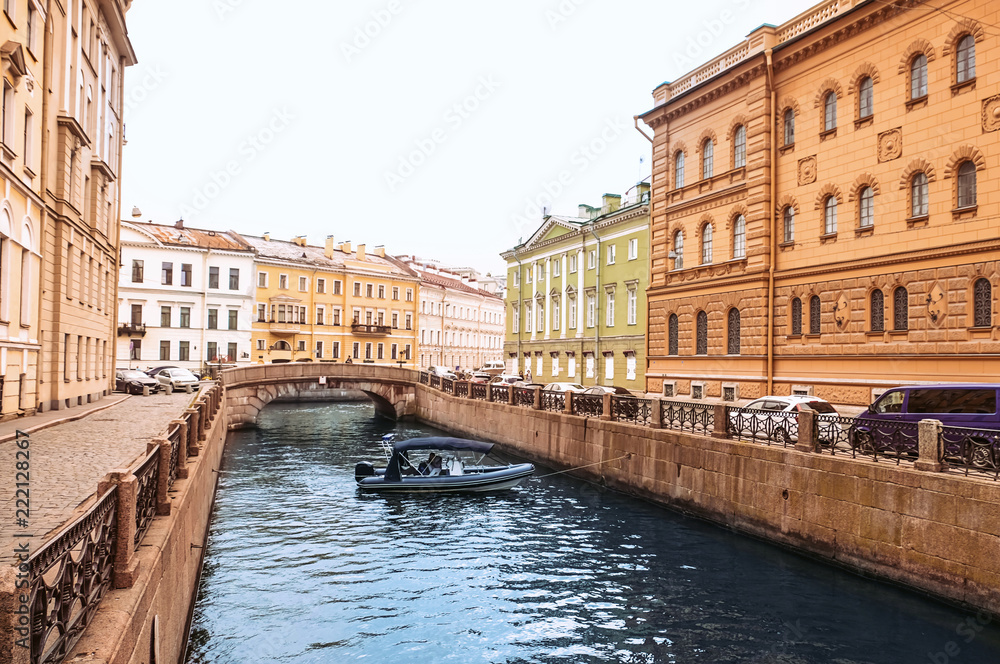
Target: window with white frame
[(555, 315), (572, 313), (320, 285), (611, 254), (633, 301), (337, 284), (609, 367), (591, 259), (572, 264), (261, 344), (633, 248), (303, 284), (556, 268), (517, 277), (630, 366), (283, 281), (591, 309), (262, 279), (590, 365), (527, 317), (555, 365), (609, 320)]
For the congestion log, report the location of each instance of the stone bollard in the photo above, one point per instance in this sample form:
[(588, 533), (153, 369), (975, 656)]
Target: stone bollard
[(126, 567), (194, 428), (721, 417), (145, 390), (929, 438), (188, 388), (538, 398), (656, 421), (807, 441), (606, 408), (168, 388), (182, 453), (163, 477), (568, 405)]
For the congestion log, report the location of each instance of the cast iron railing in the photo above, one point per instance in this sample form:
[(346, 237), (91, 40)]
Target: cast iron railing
[(479, 391), (425, 378), (632, 409), (553, 400), (765, 426), (977, 450), (500, 393), (461, 388), (145, 494), (448, 385), (436, 381), (899, 440), (683, 416), (588, 405), (524, 396)]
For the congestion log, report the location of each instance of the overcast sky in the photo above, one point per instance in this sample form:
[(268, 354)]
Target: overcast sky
[(434, 127)]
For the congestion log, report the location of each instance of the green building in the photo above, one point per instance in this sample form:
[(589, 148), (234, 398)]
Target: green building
[(576, 296)]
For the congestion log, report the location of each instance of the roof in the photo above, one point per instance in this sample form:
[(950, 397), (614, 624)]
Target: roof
[(453, 284), (316, 257), (442, 443), (172, 236)]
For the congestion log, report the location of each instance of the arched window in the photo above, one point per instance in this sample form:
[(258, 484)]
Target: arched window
[(830, 111), (733, 343), (814, 319), (918, 77), (701, 334), (706, 244), (965, 59), (830, 215), (672, 335), (866, 208), (740, 237), (866, 98), (796, 316), (900, 309), (707, 158), (967, 185), (789, 127), (679, 169), (982, 303), (877, 307), (740, 147), (918, 195), (788, 222), (679, 250)]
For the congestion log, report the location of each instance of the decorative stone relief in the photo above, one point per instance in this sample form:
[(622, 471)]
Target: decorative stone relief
[(890, 145), (935, 304), (807, 170), (841, 311), (991, 113)]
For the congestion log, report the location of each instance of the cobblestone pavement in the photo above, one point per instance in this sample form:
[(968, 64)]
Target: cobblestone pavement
[(69, 458)]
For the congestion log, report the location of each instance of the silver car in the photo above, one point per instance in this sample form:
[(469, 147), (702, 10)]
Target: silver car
[(776, 418), (177, 378)]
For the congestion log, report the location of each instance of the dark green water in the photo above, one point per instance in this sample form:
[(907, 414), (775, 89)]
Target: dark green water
[(300, 567)]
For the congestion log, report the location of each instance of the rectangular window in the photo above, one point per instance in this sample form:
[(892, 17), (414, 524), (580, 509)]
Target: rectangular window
[(572, 313), (135, 352), (381, 292), (136, 272), (356, 351), (393, 351), (212, 351), (321, 285), (406, 352), (369, 290), (527, 274), (336, 350), (302, 345), (517, 278), (336, 287), (283, 281), (213, 277), (261, 345), (591, 309), (611, 254), (262, 280), (610, 311), (409, 321), (185, 317), (357, 289), (165, 350), (164, 316), (529, 317), (261, 313), (633, 249), (409, 298), (231, 352), (395, 292), (555, 315), (515, 321), (556, 268), (609, 367), (395, 321), (633, 300), (167, 274), (213, 319), (234, 278), (136, 314), (184, 351), (233, 319), (380, 355), (319, 350), (591, 259), (320, 315), (336, 316), (185, 274), (303, 284)]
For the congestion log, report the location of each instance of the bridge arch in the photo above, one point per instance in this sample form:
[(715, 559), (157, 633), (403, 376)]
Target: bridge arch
[(249, 389)]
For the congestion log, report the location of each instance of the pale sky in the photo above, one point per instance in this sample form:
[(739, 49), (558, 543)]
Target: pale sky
[(434, 127)]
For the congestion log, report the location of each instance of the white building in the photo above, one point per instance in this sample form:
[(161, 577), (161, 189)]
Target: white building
[(461, 324), (185, 297)]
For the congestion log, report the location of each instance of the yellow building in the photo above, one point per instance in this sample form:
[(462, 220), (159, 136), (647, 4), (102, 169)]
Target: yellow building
[(336, 303), (824, 214)]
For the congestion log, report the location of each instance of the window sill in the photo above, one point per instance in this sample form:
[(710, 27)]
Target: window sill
[(919, 102), (860, 123), (812, 335), (959, 214), (875, 333), (784, 149), (829, 133), (786, 245), (958, 88), (914, 222), (828, 237), (980, 332), (793, 336), (861, 231), (898, 333)]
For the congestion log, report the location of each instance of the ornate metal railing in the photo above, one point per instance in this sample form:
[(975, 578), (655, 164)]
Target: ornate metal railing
[(683, 416), (588, 405), (524, 396), (977, 450), (145, 494), (174, 436), (461, 388), (553, 400), (425, 378), (500, 393), (765, 426), (479, 391), (436, 381), (68, 577), (632, 409), (889, 439), (448, 385)]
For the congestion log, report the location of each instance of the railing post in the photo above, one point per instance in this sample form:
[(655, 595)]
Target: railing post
[(126, 569), (568, 404), (538, 398), (182, 453), (656, 418), (606, 408), (489, 392), (721, 417), (163, 478), (929, 439), (807, 430), (193, 428)]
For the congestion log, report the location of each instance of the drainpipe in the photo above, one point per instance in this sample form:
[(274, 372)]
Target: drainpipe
[(597, 305), (773, 221), (520, 323)]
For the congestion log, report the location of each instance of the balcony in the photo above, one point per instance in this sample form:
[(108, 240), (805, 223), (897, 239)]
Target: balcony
[(132, 330), (281, 327), (371, 330)]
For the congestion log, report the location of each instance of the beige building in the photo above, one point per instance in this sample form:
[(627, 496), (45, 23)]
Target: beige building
[(824, 214)]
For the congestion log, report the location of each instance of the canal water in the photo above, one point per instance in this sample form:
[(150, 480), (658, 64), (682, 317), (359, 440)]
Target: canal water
[(300, 567)]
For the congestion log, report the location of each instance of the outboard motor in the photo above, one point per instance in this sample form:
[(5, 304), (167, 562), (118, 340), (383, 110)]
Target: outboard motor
[(362, 470)]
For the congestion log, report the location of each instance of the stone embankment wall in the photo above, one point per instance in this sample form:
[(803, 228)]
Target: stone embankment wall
[(936, 532)]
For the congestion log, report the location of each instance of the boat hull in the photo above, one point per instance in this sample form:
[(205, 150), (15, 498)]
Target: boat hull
[(480, 482)]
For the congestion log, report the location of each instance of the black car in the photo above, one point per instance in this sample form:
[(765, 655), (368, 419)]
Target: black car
[(132, 381)]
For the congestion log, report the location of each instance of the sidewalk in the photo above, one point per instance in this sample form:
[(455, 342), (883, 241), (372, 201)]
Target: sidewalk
[(70, 451)]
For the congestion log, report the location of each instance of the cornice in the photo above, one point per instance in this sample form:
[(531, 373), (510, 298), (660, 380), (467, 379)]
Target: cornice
[(713, 282), (613, 219), (709, 201)]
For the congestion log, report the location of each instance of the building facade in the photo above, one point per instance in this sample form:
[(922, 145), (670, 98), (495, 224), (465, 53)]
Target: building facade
[(87, 49), (337, 303), (185, 297), (576, 296), (461, 322), (824, 214)]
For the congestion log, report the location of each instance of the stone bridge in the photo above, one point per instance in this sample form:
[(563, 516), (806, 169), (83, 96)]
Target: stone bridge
[(249, 389)]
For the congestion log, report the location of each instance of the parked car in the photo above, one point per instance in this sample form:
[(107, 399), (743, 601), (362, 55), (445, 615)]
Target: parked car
[(890, 423), (606, 389), (480, 377), (156, 370), (505, 379), (780, 422), (494, 368), (443, 372), (177, 378), (564, 387), (132, 381), (521, 383)]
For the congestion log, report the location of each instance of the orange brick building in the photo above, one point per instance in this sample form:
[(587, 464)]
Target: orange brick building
[(826, 215)]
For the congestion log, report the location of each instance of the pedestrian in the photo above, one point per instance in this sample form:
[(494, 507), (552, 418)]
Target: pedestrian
[(527, 375)]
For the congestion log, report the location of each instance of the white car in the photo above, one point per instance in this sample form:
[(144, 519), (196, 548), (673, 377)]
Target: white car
[(779, 419), (443, 372), (564, 387), (176, 378)]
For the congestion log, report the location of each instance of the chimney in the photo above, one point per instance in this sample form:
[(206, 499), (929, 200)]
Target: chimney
[(267, 237), (346, 247), (179, 223), (610, 203), (380, 250), (328, 251), (299, 240), (643, 188), (361, 252), (585, 211)]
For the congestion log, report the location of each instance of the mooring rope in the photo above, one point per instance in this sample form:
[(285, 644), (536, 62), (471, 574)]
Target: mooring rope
[(598, 463)]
